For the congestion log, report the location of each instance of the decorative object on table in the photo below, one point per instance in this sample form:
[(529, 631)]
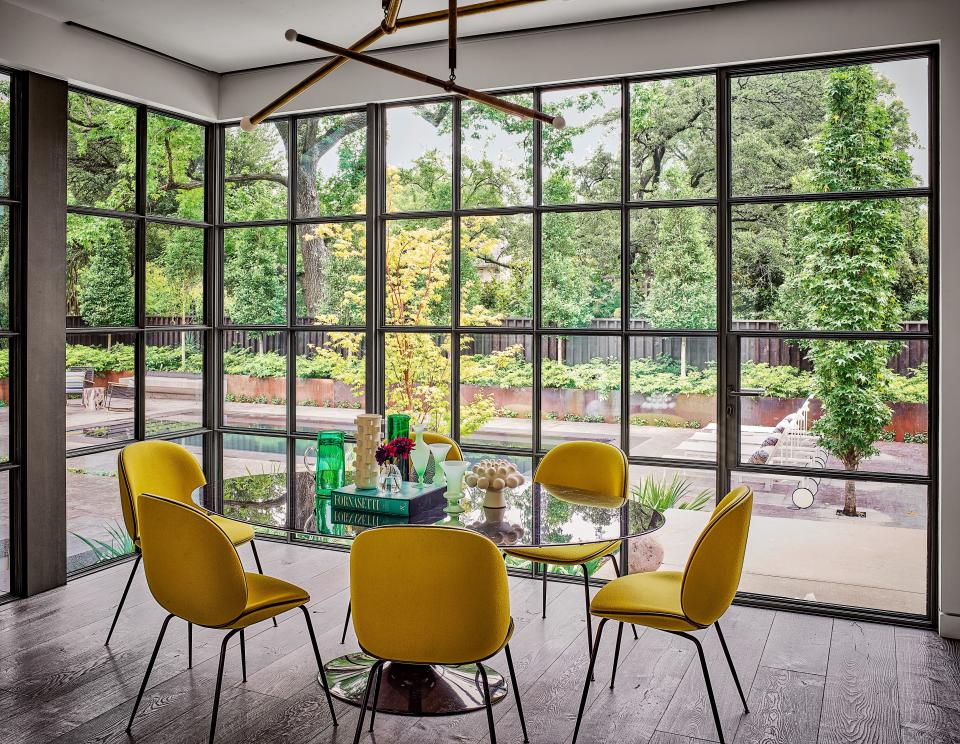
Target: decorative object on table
[(388, 455), (438, 453), (398, 425), (329, 470), (420, 455), (493, 476), (495, 527), (411, 500), (453, 471), (368, 439)]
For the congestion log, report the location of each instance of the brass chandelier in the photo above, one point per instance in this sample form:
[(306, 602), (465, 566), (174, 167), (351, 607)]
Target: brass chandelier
[(390, 24)]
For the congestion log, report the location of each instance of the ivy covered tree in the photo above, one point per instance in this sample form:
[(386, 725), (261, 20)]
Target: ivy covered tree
[(847, 251)]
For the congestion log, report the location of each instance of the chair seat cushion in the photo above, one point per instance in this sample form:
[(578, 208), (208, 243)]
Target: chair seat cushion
[(648, 599), (566, 555), (238, 532), (267, 597)]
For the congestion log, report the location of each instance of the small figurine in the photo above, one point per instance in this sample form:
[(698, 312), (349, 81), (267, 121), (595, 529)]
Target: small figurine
[(493, 476)]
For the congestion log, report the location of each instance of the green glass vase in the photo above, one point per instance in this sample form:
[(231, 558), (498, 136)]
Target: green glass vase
[(331, 471), (398, 425)]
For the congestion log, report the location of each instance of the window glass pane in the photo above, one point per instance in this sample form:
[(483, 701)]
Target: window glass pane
[(581, 163), (255, 379), (798, 553), (580, 389), (833, 129), (312, 512), (331, 165), (331, 379), (174, 384), (673, 268), (175, 167), (255, 173), (332, 274), (673, 135), (4, 135), (195, 446), (496, 390), (419, 156), (418, 272), (100, 257), (100, 390), (417, 376), (496, 270), (5, 400), (255, 478), (255, 276), (580, 272), (832, 265), (101, 153), (4, 267), (95, 528), (6, 534), (673, 397), (496, 155), (844, 405), (174, 274)]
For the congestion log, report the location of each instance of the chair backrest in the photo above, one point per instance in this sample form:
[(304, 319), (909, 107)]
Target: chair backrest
[(426, 594), (433, 438), (712, 573), (161, 468), (192, 568), (590, 466)]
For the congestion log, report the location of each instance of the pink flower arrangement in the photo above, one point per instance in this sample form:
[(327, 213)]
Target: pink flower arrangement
[(396, 448)]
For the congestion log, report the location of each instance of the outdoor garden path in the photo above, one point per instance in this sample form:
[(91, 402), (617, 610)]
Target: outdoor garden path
[(809, 679)]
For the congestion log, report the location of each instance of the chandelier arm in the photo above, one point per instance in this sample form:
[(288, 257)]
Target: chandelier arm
[(436, 16), (390, 17)]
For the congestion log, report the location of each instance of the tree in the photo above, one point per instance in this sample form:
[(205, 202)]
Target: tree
[(844, 277), (105, 295)]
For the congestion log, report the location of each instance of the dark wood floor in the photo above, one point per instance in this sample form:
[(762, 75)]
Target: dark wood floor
[(810, 679)]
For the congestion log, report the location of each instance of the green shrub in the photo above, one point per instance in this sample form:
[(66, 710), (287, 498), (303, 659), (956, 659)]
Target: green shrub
[(666, 494)]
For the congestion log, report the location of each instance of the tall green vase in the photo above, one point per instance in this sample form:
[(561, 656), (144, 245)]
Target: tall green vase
[(331, 471), (398, 425)]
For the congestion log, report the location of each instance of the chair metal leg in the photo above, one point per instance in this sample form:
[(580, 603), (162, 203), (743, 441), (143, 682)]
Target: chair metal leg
[(366, 699), (586, 682), (616, 655), (146, 677), (189, 645), (733, 669), (706, 679), (586, 592), (616, 570), (346, 624), (316, 652), (376, 699), (516, 690), (123, 597), (256, 557), (243, 654), (543, 567), (488, 703), (216, 694)]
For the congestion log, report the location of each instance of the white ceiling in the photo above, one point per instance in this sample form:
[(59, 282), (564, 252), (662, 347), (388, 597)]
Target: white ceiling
[(226, 35)]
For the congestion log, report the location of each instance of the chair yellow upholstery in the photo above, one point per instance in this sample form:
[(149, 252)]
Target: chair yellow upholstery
[(194, 573), (430, 595), (590, 466), (169, 470), (433, 438), (681, 601)]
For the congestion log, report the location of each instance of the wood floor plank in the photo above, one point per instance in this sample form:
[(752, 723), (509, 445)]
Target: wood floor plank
[(860, 698), (798, 643), (661, 737), (746, 630), (928, 680), (784, 708)]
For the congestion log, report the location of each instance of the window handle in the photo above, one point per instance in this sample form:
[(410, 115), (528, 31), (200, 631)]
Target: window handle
[(746, 392)]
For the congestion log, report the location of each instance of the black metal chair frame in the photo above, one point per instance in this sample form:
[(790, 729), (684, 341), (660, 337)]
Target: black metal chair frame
[(243, 662), (703, 665)]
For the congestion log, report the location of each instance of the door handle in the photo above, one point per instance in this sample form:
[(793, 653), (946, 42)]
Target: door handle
[(746, 392)]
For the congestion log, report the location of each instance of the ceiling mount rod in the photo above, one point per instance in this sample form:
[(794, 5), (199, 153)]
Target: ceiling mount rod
[(250, 123), (391, 9), (447, 85), (452, 38)]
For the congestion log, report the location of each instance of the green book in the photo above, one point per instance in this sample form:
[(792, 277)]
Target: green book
[(366, 519), (409, 501)]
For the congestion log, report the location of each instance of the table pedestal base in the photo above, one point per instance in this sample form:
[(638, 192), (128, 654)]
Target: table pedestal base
[(414, 689)]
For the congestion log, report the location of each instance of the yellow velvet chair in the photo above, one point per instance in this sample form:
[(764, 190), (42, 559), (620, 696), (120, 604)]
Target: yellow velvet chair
[(430, 595), (194, 573), (591, 466), (681, 601), (453, 454), (165, 469)]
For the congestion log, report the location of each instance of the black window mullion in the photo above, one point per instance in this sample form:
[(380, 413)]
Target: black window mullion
[(537, 259), (457, 141), (728, 344), (625, 313), (292, 338), (139, 278)]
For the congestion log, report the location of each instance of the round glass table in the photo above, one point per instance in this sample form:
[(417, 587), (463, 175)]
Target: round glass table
[(535, 515)]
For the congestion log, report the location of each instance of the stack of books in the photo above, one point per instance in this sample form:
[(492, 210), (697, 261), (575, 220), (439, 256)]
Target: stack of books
[(408, 503)]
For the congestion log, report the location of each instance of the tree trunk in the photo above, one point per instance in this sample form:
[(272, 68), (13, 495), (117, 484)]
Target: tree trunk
[(683, 356), (849, 498)]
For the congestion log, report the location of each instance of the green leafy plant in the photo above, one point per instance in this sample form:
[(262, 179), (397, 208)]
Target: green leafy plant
[(666, 494), (119, 544)]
